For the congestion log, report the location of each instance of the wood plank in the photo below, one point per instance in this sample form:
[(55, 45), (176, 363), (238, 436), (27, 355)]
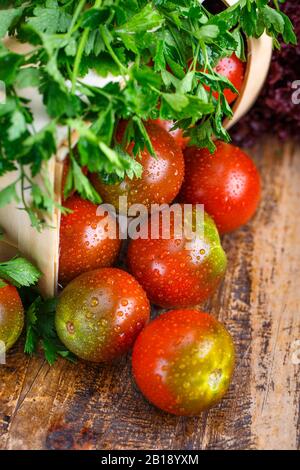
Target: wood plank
[(87, 406)]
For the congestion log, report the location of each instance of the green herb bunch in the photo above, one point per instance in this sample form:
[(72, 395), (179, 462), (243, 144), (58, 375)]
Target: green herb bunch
[(164, 53)]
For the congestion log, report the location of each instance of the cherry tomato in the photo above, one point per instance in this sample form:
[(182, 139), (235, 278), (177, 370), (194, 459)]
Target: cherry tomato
[(11, 316), (175, 270), (226, 182), (183, 361), (87, 240), (161, 179), (177, 134), (100, 314), (233, 69)]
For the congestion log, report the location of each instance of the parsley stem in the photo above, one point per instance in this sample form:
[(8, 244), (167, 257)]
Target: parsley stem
[(276, 5), (78, 57), (80, 6), (110, 50), (70, 141), (82, 42), (22, 178)]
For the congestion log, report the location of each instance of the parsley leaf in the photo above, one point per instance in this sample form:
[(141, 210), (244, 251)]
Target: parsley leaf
[(50, 19), (8, 194), (7, 18), (40, 329), (19, 272)]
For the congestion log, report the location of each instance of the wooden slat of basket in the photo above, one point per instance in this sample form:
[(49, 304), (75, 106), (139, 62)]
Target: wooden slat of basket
[(39, 247)]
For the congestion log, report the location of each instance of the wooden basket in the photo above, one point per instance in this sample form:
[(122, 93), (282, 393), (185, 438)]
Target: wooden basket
[(43, 248)]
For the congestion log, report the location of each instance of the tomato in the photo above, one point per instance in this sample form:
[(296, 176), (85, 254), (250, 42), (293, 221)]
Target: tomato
[(100, 314), (87, 240), (226, 182), (11, 316), (161, 179), (174, 270), (183, 362), (177, 134), (233, 69)]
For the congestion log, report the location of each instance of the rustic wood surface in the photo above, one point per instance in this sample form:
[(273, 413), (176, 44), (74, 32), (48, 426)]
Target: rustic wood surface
[(86, 406)]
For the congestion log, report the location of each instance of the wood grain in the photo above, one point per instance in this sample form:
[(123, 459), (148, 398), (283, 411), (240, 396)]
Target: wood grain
[(86, 406)]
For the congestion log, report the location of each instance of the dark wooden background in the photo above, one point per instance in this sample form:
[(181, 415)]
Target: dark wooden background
[(87, 406)]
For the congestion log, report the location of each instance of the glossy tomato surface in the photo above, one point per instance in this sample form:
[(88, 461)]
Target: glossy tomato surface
[(100, 313), (183, 361), (87, 240), (11, 316), (233, 69), (174, 270), (226, 182), (177, 134), (161, 178)]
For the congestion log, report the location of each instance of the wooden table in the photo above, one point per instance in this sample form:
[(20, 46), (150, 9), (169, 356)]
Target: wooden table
[(86, 406)]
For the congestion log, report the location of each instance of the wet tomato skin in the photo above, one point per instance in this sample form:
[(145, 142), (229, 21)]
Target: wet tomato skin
[(226, 182), (161, 178), (183, 362), (177, 134), (233, 69), (11, 316), (84, 244), (100, 314), (175, 271)]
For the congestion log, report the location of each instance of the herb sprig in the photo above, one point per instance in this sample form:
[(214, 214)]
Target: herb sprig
[(163, 51), (40, 331), (18, 271)]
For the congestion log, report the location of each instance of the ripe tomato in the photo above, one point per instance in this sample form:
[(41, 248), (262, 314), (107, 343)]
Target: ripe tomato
[(226, 182), (161, 179), (87, 240), (183, 361), (174, 270), (11, 316), (177, 134), (233, 69), (100, 313)]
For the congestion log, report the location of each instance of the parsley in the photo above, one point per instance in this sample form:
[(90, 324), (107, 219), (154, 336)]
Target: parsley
[(19, 272), (164, 52), (40, 330)]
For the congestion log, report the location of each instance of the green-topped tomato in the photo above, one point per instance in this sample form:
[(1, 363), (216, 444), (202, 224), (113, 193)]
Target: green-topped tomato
[(161, 178), (177, 134), (11, 316), (100, 314), (183, 361), (175, 270), (233, 69)]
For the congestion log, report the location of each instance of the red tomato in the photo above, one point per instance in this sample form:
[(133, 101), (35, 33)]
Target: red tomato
[(177, 134), (183, 362), (100, 314), (162, 176), (233, 69), (174, 270), (11, 316), (226, 182), (87, 240)]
